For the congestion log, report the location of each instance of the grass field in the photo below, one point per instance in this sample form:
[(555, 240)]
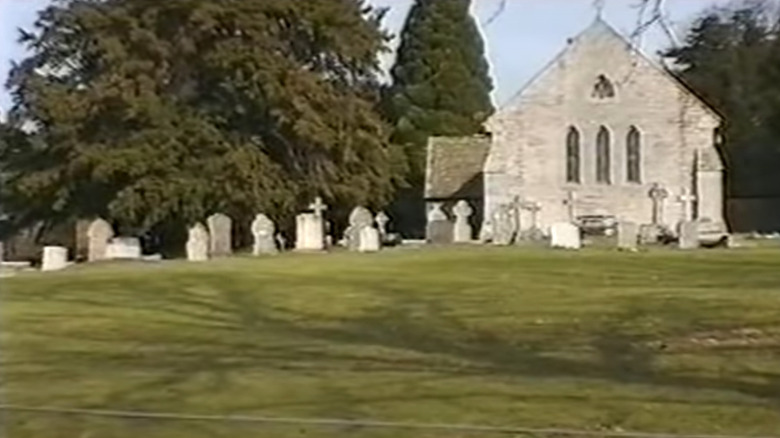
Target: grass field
[(656, 342)]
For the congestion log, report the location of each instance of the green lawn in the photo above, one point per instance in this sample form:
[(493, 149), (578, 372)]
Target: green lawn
[(655, 342)]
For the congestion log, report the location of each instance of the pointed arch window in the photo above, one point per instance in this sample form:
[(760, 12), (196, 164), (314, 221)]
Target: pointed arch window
[(573, 155), (603, 162), (634, 155)]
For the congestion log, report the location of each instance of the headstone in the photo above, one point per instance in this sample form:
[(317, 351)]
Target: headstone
[(310, 232), (439, 229), (381, 220), (504, 225), (687, 200), (650, 234), (370, 240), (628, 235), (198, 243), (463, 231), (360, 218), (263, 232), (55, 258), (99, 233), (221, 234), (689, 235), (658, 194), (124, 248), (566, 235), (486, 232)]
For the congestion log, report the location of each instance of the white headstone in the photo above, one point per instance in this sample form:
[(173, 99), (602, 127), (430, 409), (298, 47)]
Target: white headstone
[(463, 230), (221, 232), (55, 258), (439, 229), (689, 235), (369, 240), (123, 248), (628, 235), (566, 235), (198, 244), (505, 225), (99, 233), (360, 218), (263, 232), (310, 232)]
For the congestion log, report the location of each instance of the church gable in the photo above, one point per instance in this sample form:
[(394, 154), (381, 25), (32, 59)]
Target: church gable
[(602, 63)]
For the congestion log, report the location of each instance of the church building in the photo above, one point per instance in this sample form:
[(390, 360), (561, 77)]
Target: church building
[(601, 131)]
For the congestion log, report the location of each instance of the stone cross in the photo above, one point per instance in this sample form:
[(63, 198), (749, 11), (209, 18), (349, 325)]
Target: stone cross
[(463, 212), (658, 194), (687, 199), (534, 208), (382, 219), (571, 204), (318, 207)]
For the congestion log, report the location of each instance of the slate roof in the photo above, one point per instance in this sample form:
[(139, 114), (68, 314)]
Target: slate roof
[(454, 167)]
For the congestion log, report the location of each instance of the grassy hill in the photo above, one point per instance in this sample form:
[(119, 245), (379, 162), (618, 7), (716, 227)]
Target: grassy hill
[(656, 342)]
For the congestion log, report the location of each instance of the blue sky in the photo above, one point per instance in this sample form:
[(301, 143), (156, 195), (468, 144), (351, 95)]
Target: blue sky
[(520, 42)]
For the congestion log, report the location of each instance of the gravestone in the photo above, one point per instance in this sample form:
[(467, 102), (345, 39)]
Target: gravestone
[(463, 231), (263, 232), (99, 233), (486, 232), (628, 235), (505, 225), (566, 235), (439, 229), (658, 194), (650, 234), (370, 240), (689, 235), (123, 248), (221, 234), (198, 242), (687, 200), (381, 220), (359, 219), (55, 258), (309, 232)]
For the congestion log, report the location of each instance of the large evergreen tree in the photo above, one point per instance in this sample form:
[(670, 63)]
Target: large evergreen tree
[(441, 83), (155, 112), (732, 57)]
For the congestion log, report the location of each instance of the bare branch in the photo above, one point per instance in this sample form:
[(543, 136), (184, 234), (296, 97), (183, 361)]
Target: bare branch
[(500, 10)]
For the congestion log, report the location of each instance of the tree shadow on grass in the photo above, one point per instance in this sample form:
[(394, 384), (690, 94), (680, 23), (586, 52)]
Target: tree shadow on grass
[(214, 332)]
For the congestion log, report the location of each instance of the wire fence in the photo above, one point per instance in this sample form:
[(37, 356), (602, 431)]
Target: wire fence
[(354, 425)]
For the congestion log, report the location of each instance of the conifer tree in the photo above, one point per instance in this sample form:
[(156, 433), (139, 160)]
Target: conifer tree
[(441, 83), (150, 112)]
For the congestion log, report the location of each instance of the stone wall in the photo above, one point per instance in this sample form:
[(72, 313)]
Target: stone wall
[(529, 152)]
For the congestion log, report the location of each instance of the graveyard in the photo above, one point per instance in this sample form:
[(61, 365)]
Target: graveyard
[(660, 340)]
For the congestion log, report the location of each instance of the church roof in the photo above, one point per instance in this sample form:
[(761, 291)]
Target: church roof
[(454, 167)]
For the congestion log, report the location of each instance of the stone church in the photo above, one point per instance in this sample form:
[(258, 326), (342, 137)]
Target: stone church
[(602, 131)]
